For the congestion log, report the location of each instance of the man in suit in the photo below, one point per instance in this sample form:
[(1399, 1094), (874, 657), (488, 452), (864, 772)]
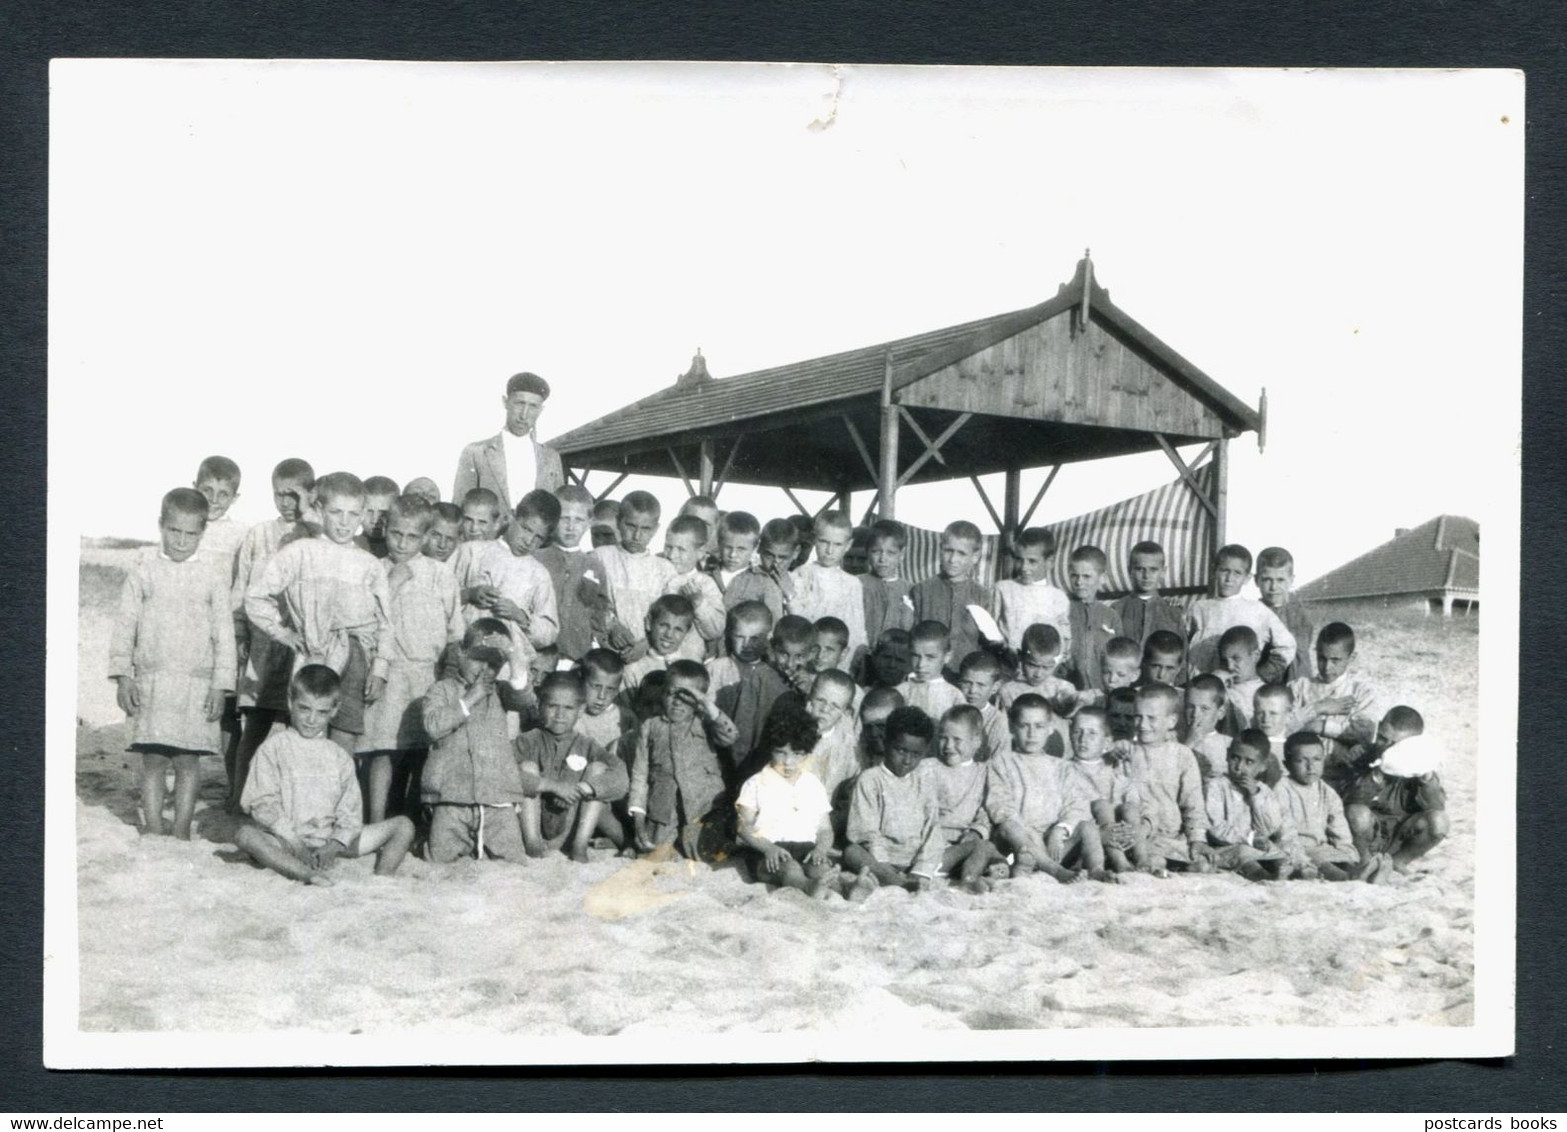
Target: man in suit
[(512, 463)]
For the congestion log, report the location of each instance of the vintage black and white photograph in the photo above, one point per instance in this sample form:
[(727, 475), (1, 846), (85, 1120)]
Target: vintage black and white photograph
[(664, 562)]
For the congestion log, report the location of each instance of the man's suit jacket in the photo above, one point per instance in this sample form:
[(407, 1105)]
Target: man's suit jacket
[(483, 464)]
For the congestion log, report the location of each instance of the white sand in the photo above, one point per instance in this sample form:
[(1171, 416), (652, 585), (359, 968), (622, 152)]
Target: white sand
[(190, 936)]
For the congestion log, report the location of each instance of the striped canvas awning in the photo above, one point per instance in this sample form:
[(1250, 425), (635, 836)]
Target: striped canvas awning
[(1170, 515)]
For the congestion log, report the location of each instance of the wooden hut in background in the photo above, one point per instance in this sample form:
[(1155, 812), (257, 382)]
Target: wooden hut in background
[(1074, 378)]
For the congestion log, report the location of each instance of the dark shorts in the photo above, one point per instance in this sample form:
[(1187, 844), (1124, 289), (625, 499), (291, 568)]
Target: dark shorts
[(796, 849), (350, 715)]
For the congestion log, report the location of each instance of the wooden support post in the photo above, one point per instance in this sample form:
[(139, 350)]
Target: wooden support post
[(1221, 490), (705, 468), (1011, 501), (887, 485)]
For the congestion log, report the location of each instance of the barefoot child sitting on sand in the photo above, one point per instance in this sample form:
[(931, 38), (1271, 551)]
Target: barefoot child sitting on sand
[(1397, 809), (784, 813), (1168, 783), (1316, 811), (1109, 781), (1039, 809), (1206, 699), (1247, 828), (303, 795), (568, 780), (958, 780), (893, 835)]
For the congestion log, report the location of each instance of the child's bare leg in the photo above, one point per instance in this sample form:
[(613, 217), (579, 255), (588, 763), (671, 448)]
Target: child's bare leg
[(389, 840), (378, 786), (532, 838), (860, 860), (582, 829), (1090, 850), (1056, 842), (407, 766), (153, 769), (1416, 836), (790, 876), (1252, 870), (187, 780), (1138, 854), (977, 856), (1362, 828), (269, 851), (1329, 871), (608, 826)]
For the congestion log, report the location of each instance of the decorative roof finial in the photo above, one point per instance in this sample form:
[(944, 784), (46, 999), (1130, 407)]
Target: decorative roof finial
[(1088, 284), (697, 372)]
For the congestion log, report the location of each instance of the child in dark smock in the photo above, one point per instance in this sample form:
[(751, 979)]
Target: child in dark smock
[(568, 780)]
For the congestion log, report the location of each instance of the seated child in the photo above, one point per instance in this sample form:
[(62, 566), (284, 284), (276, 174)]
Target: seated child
[(1168, 783), (265, 667), (744, 685), (605, 528), (677, 781), (1164, 655), (1336, 703), (683, 547), (1397, 809), (784, 813), (326, 600), (891, 660), (829, 650), (894, 834), (1038, 658), (1316, 811), (424, 488), (1143, 612), (1109, 783), (445, 532), (1247, 828), (704, 508), (426, 615), (500, 578), (927, 688), (1038, 807), (1093, 623), (875, 708), (959, 783), (823, 588), (835, 758), (379, 493), (632, 579), (887, 601), (568, 780), (1209, 617), (1206, 702), (1029, 597), (606, 712), (577, 596), (1239, 652), (979, 679), (1275, 578), (946, 596), (471, 782), (736, 574), (303, 795), (667, 625), (172, 658), (1272, 707), (483, 517)]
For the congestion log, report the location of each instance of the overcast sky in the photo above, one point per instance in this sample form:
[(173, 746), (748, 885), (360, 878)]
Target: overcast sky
[(345, 261)]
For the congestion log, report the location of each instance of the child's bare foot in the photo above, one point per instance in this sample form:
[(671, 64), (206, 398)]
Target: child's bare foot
[(979, 886), (579, 854), (320, 880), (821, 888), (1103, 876), (1201, 865), (1023, 864), (865, 884)]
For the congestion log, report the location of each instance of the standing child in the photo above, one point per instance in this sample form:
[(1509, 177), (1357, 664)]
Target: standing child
[(471, 780), (576, 595), (776, 553), (1038, 659), (632, 578), (1094, 624), (824, 589), (927, 688), (426, 615), (1168, 782), (887, 601), (785, 818), (1037, 804), (705, 509), (217, 478), (445, 532), (1275, 579), (500, 578), (1115, 806), (1247, 829), (1209, 617), (482, 515), (1029, 597), (326, 600), (979, 679), (172, 657), (894, 833), (744, 685), (264, 665), (568, 780), (1144, 612), (891, 660), (677, 783), (1164, 655), (1316, 811), (1206, 701), (959, 780), (736, 572), (684, 544), (947, 596), (424, 487), (379, 493), (303, 795)]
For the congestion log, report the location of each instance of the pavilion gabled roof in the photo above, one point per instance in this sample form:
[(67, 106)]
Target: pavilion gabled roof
[(638, 436)]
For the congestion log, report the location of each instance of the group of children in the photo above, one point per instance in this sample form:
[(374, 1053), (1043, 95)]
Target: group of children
[(386, 672)]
